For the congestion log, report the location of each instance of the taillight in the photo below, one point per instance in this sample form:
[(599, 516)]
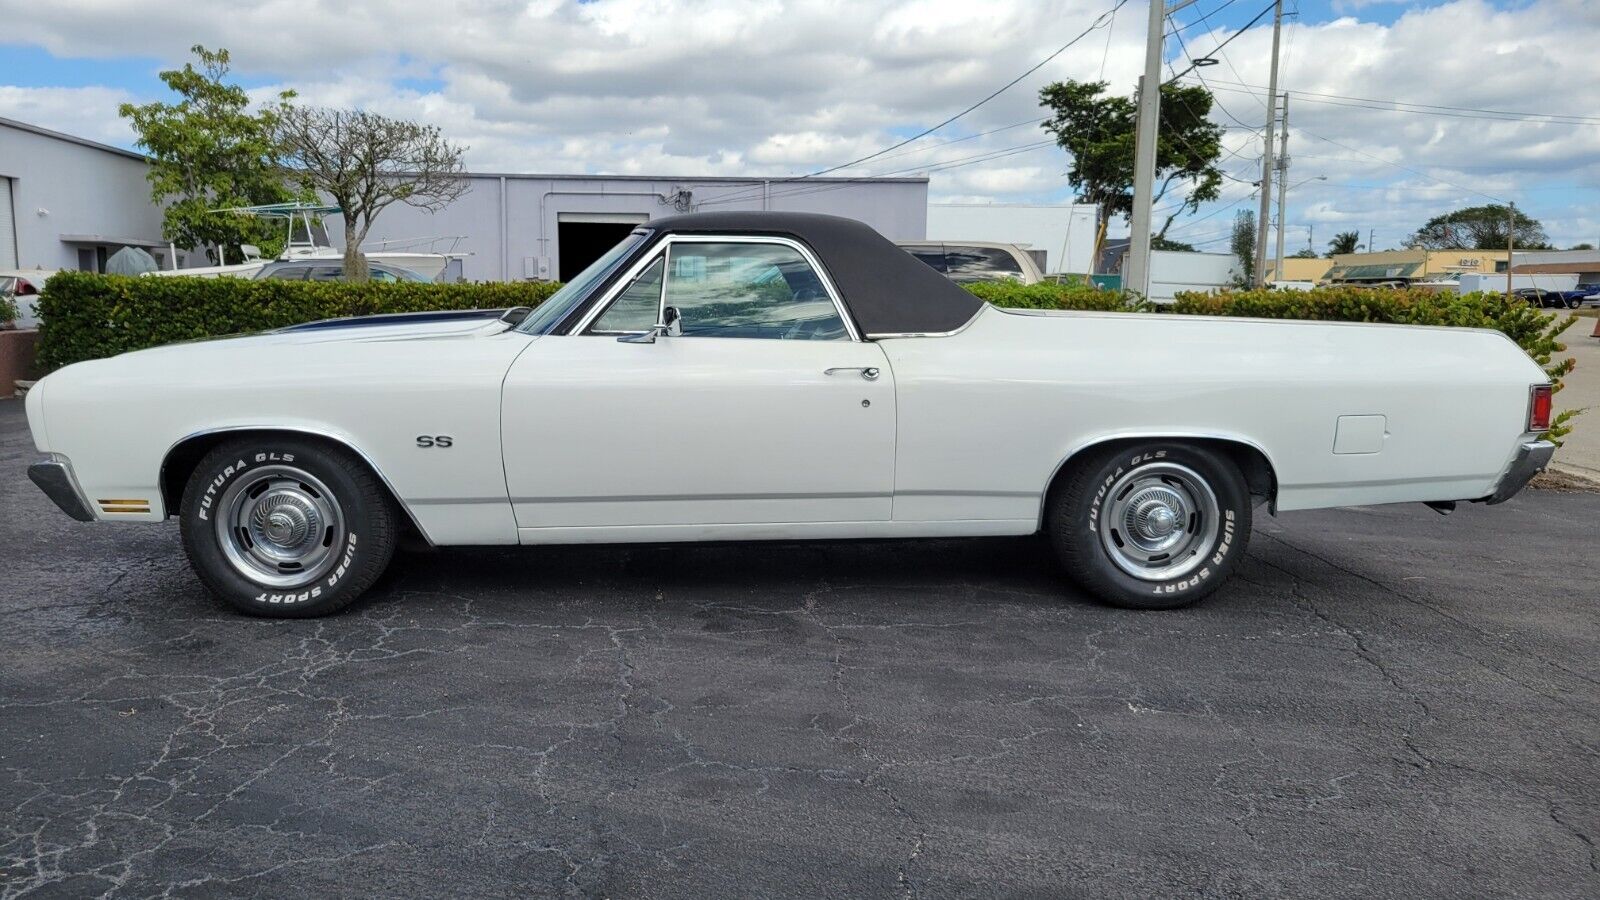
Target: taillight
[(1539, 408)]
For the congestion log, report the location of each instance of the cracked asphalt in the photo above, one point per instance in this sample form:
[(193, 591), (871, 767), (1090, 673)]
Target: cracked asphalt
[(1385, 702)]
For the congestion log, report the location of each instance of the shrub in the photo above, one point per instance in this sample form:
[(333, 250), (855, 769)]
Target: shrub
[(1537, 332), (8, 312), (88, 316), (1054, 295)]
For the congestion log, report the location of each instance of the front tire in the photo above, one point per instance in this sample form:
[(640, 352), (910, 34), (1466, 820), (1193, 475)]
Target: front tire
[(1153, 525), (285, 526)]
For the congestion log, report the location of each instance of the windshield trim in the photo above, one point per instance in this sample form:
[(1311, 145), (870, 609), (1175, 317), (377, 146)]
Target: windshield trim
[(583, 294)]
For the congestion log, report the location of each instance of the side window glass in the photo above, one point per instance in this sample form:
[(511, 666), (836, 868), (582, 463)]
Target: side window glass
[(638, 306), (934, 258), (735, 290), (980, 263), (325, 273), (286, 273)]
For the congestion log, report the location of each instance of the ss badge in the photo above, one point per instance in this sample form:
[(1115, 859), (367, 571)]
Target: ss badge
[(435, 440)]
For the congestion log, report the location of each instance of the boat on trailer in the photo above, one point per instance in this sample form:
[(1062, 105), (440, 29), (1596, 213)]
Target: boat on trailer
[(306, 237)]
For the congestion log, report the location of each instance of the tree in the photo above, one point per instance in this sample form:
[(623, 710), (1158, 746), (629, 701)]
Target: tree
[(365, 162), (1160, 242), (207, 151), (1583, 246), (1304, 253), (1344, 242), (1098, 131), (1243, 243), (1479, 228)]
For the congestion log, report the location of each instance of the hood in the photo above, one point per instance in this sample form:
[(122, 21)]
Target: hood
[(389, 327), (386, 320)]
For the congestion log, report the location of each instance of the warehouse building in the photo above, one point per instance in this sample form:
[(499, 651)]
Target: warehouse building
[(549, 227), (69, 203), (1585, 264)]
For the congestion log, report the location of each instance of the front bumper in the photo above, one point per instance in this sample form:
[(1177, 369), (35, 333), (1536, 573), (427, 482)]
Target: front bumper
[(54, 477), (1531, 459)]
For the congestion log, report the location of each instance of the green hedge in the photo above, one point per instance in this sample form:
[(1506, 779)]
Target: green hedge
[(1053, 295), (87, 316)]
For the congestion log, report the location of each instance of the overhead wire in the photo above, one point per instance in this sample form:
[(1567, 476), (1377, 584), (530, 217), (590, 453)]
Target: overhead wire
[(1099, 21)]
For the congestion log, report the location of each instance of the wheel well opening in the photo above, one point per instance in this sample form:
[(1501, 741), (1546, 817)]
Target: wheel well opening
[(1253, 464), (182, 459)]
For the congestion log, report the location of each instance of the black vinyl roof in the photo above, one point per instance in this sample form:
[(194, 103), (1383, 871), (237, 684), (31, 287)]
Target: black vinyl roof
[(887, 290)]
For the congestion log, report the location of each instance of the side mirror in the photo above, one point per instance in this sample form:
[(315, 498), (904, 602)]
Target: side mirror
[(515, 315), (669, 325)]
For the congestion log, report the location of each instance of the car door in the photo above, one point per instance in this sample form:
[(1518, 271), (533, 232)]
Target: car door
[(761, 407)]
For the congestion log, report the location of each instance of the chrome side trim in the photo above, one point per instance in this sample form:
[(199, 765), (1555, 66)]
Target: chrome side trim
[(1530, 460), (878, 336), (663, 248), (648, 498), (341, 440)]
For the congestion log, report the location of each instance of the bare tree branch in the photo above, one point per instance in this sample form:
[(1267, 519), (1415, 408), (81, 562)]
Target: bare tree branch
[(365, 163)]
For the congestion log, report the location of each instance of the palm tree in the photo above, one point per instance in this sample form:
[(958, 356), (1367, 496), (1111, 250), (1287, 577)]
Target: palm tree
[(1344, 242)]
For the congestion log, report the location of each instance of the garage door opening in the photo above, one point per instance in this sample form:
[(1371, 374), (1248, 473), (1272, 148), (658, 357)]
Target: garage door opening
[(583, 238)]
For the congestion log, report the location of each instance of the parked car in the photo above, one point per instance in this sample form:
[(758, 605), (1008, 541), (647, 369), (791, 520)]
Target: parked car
[(757, 376), (971, 261), (23, 287), (331, 270), (1582, 295), (1540, 297)]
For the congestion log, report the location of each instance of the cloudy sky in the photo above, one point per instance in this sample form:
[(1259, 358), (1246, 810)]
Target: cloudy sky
[(1499, 100)]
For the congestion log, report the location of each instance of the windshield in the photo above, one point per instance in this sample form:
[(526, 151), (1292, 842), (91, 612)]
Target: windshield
[(573, 292)]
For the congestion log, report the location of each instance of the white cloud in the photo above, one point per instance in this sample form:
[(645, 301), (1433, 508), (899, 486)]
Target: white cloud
[(89, 112), (769, 88)]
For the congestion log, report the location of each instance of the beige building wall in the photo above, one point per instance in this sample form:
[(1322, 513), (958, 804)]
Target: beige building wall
[(1299, 269)]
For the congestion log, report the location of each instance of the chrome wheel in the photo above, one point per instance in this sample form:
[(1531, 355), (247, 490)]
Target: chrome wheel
[(1159, 521), (280, 527)]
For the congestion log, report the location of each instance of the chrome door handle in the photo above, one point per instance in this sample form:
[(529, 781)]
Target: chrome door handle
[(870, 373)]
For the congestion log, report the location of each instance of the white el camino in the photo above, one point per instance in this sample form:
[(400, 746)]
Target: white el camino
[(776, 376)]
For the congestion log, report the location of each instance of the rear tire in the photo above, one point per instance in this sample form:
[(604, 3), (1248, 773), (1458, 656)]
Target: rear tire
[(286, 527), (1152, 525)]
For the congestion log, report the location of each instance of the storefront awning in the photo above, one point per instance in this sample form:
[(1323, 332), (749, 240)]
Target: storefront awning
[(1373, 272), (111, 240)]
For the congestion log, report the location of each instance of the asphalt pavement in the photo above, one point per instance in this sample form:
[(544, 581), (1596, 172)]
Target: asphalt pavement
[(1386, 702)]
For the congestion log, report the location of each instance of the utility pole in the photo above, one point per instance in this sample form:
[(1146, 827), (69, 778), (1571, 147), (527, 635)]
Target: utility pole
[(1136, 274), (1283, 181), (1266, 154), (1511, 244)]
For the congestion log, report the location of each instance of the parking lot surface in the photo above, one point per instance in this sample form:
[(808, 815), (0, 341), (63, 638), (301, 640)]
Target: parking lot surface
[(1385, 702)]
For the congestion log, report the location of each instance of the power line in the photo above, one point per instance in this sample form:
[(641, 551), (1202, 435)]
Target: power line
[(957, 163), (1214, 98), (1231, 37), (1380, 159), (1182, 28), (1097, 23), (744, 192), (1431, 109)]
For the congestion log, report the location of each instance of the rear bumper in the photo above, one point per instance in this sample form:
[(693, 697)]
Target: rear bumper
[(54, 477), (1531, 459)]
